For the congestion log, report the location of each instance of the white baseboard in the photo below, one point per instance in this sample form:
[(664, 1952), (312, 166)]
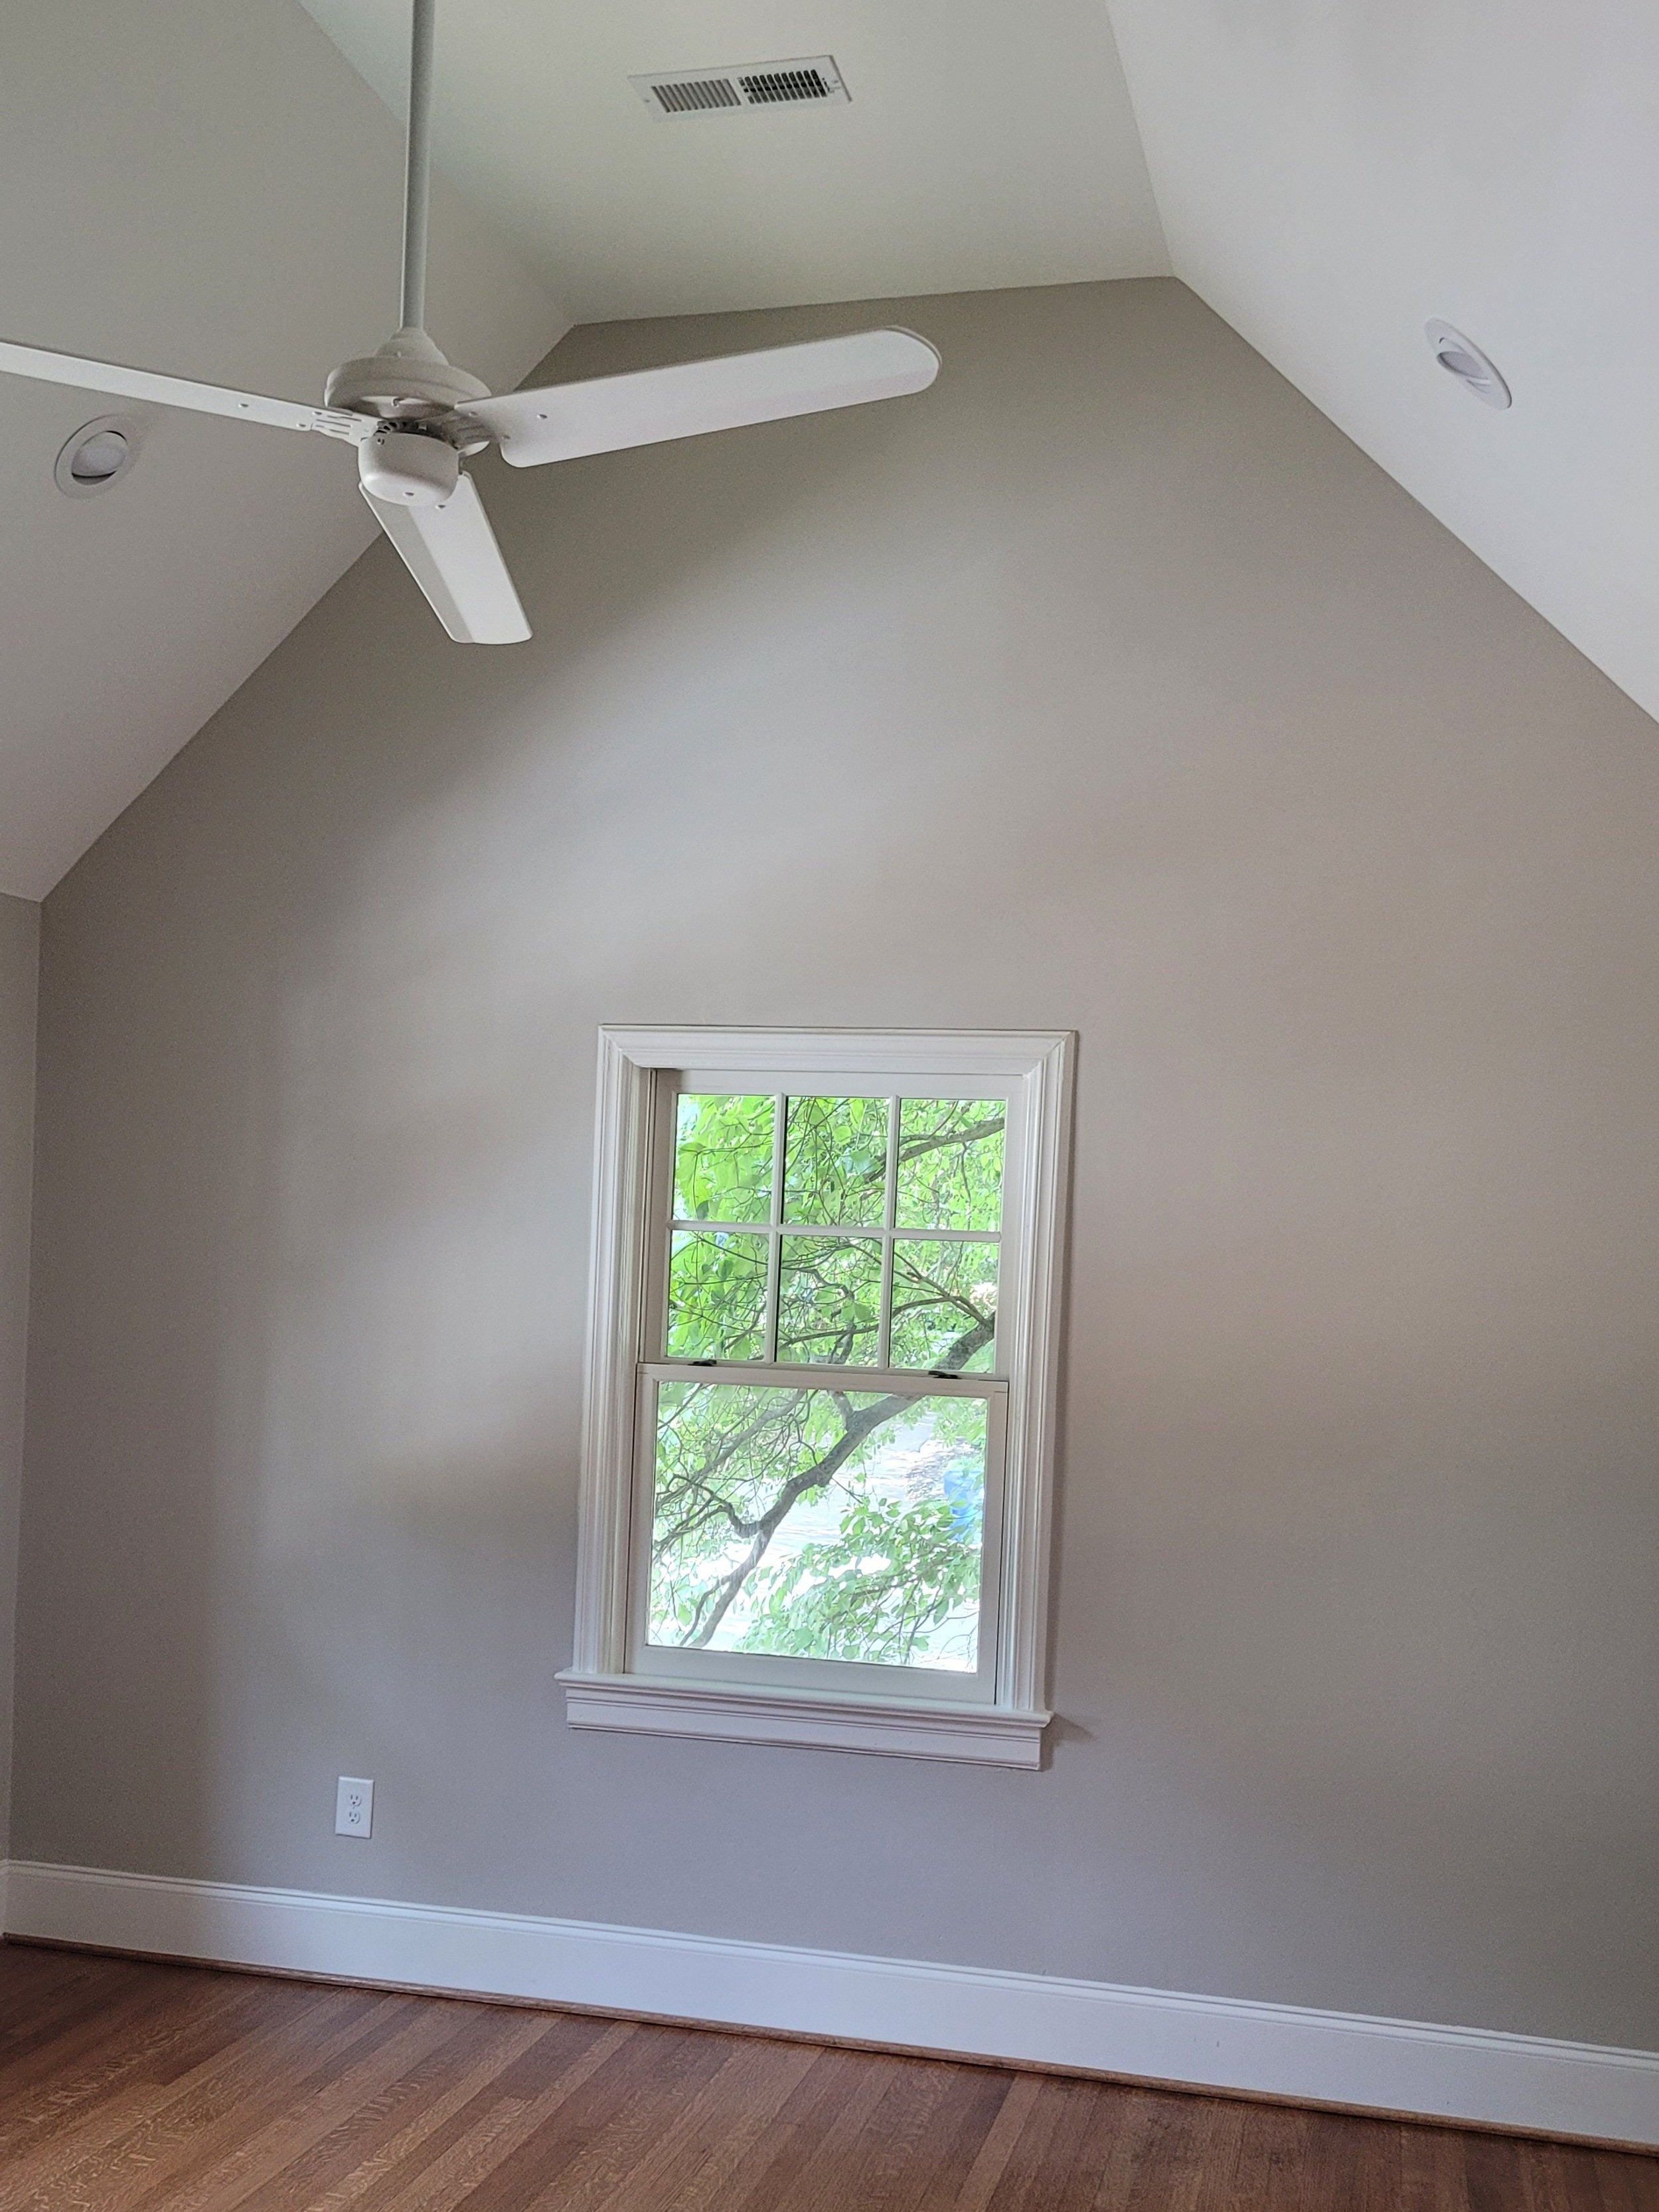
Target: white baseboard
[(1214, 2043)]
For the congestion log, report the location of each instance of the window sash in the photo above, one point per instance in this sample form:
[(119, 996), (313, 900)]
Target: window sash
[(843, 1676), (799, 1083)]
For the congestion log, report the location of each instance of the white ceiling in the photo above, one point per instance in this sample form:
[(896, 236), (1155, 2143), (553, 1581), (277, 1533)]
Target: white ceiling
[(985, 144), (212, 191), (219, 196), (1333, 173)]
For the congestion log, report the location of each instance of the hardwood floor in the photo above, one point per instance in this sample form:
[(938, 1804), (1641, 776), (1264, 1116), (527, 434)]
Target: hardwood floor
[(127, 2086)]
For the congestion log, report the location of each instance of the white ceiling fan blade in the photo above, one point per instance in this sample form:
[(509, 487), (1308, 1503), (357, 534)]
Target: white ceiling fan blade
[(607, 413), (180, 391), (452, 554)]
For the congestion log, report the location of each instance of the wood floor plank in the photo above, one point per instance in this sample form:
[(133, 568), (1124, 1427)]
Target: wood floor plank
[(691, 2164), (1357, 2158), (641, 2076), (200, 2112), (1065, 2150), (116, 2169), (447, 2148), (110, 2030), (448, 2167), (341, 2083), (814, 2132), (610, 2161), (1028, 2157), (468, 2036), (1268, 2158), (1116, 2148), (978, 2099), (931, 2114), (1622, 2183), (985, 2176), (112, 2088), (127, 2086), (1432, 2174)]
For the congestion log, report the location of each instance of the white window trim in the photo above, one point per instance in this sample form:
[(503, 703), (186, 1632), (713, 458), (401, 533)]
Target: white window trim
[(600, 1690)]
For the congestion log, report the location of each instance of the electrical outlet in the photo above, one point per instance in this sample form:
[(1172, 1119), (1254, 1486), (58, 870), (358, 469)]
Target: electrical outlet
[(354, 1806)]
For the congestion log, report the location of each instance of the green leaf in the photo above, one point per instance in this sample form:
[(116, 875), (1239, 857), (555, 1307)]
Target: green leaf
[(878, 1557), (943, 1294), (829, 1299), (950, 1164), (724, 1157), (835, 1153), (717, 1295)]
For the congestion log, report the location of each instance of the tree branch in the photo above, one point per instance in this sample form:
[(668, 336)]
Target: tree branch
[(859, 1425)]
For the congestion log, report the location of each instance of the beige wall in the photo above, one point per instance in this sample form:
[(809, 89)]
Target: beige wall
[(1105, 686), (19, 938)]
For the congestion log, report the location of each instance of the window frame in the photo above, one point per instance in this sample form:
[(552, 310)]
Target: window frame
[(615, 1681)]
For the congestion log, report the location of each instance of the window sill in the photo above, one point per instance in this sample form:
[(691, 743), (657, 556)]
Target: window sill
[(731, 1712)]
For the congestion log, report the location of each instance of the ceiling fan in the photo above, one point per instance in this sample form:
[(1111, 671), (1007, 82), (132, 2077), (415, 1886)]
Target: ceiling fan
[(412, 417)]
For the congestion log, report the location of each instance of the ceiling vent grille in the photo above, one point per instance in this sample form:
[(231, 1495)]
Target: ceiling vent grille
[(814, 83), (697, 96)]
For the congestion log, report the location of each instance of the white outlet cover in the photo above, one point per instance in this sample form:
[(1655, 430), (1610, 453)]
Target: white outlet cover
[(354, 1806)]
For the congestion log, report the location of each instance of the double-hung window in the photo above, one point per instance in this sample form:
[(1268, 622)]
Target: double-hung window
[(821, 1390)]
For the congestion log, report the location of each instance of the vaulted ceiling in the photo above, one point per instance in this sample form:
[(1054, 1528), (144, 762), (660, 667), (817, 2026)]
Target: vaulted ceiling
[(212, 191), (1332, 173), (984, 145), (216, 192)]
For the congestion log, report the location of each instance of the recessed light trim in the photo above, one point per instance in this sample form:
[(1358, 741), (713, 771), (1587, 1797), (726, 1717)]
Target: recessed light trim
[(99, 454), (1462, 358)]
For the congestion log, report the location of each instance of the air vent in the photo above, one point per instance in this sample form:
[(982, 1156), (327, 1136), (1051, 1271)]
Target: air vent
[(814, 83), (769, 86), (697, 96)]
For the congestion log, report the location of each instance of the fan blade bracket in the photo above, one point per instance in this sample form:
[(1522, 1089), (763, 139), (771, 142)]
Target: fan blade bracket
[(336, 422), (465, 435)]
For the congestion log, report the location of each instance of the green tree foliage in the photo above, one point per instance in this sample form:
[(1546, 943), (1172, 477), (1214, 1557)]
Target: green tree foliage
[(897, 1584), (723, 1158), (835, 1161), (717, 1295), (890, 1558), (950, 1164), (824, 1523), (829, 1300)]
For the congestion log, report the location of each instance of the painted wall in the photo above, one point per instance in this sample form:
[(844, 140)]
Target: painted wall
[(20, 941), (1107, 685)]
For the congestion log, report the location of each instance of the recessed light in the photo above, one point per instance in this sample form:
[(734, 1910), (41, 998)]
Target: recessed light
[(1462, 358), (98, 454)]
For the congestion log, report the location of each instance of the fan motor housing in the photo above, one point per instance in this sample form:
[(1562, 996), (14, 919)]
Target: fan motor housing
[(409, 468), (407, 380)]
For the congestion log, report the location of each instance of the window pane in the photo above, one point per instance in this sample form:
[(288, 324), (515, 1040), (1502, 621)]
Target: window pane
[(944, 1305), (829, 1299), (722, 1157), (818, 1525), (835, 1162), (717, 1295), (950, 1163)]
